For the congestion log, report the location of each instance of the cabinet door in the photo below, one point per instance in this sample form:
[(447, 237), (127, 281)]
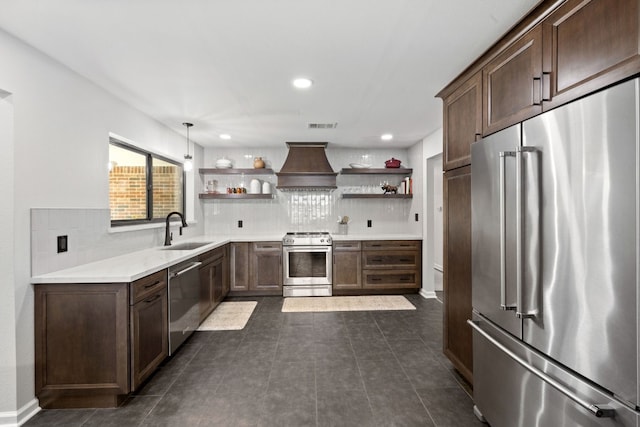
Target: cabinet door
[(149, 336), (462, 122), (512, 83), (206, 290), (457, 270), (347, 265), (81, 343), (265, 271), (217, 281), (589, 45), (239, 266)]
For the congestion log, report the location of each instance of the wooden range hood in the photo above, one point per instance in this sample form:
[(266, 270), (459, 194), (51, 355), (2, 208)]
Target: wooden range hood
[(306, 168)]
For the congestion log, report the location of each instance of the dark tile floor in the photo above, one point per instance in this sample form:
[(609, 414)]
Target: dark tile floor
[(377, 368)]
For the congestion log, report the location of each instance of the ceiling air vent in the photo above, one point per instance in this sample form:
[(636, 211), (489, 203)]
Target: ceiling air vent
[(323, 125)]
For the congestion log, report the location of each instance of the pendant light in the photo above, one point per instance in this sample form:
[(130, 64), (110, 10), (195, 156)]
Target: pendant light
[(188, 163)]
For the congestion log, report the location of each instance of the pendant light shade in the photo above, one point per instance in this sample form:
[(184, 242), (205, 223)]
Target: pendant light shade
[(188, 160)]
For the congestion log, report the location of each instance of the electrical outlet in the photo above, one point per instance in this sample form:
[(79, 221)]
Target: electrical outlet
[(369, 223), (239, 223), (62, 244)]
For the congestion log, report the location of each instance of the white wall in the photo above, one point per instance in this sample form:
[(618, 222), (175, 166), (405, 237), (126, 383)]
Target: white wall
[(432, 148), (61, 125), (437, 207)]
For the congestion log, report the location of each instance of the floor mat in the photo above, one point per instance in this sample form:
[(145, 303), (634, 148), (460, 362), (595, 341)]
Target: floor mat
[(359, 303), (229, 316)]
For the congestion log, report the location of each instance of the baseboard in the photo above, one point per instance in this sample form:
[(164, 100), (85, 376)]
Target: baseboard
[(427, 294), (21, 416)]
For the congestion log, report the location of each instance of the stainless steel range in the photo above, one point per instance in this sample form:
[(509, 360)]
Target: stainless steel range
[(307, 264)]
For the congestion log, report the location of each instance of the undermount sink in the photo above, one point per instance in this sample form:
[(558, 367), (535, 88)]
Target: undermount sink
[(186, 246)]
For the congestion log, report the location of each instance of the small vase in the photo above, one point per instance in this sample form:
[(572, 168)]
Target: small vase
[(258, 163)]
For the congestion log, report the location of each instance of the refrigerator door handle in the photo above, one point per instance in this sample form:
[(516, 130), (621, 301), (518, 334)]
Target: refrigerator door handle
[(597, 410), (519, 230), (503, 232)]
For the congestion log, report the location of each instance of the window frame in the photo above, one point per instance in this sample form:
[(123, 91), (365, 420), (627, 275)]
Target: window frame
[(149, 156)]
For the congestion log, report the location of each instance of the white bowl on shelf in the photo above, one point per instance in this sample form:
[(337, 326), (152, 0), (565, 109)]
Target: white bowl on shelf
[(223, 163), (359, 166)]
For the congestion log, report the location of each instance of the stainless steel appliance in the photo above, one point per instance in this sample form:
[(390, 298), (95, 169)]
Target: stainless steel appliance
[(555, 236), (184, 300), (307, 264)]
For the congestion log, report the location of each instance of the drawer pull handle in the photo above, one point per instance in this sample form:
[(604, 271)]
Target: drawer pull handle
[(153, 298), (376, 260), (152, 285), (375, 279), (376, 246), (405, 260)]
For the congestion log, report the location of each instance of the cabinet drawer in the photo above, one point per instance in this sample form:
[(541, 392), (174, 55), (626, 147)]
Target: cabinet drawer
[(386, 245), (390, 259), (377, 279), (148, 285), (347, 246), (267, 246), (211, 255)]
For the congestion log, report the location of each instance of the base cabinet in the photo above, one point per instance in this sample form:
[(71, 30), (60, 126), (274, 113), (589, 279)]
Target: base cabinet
[(214, 280), (265, 268), (392, 265), (149, 324), (456, 339), (239, 266), (255, 268), (95, 343), (347, 265)]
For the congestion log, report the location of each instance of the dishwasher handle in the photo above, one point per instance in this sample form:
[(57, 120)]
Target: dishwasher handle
[(178, 273)]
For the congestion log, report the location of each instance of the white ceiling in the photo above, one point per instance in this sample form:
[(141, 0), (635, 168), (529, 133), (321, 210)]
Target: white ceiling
[(227, 65)]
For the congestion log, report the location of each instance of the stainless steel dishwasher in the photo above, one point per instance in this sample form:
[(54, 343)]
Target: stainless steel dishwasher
[(184, 299)]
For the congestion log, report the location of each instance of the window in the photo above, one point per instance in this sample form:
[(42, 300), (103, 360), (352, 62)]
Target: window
[(143, 187)]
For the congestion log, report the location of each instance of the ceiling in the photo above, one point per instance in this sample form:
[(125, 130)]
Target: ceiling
[(227, 65)]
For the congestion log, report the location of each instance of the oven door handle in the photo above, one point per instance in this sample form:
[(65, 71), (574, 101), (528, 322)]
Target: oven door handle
[(326, 249)]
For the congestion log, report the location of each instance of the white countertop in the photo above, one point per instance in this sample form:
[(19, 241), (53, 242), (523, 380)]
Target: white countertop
[(135, 265)]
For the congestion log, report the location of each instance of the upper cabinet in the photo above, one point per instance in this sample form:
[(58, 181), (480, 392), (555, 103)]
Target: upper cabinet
[(589, 45), (462, 122), (563, 50), (512, 83)]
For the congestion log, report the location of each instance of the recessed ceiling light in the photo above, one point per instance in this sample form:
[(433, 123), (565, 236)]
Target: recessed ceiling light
[(225, 136), (302, 83), (386, 137)]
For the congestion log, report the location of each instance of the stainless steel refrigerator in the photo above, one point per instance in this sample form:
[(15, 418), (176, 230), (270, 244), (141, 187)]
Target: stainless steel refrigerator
[(555, 236)]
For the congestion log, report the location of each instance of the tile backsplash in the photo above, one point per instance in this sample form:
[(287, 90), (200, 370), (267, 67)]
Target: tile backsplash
[(311, 210), (89, 240)]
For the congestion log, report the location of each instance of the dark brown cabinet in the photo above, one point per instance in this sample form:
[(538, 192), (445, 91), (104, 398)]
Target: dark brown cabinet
[(512, 83), (149, 324), (347, 265), (239, 266), (95, 343), (589, 45), (457, 270), (256, 268), (265, 268), (214, 281), (392, 264), (462, 117)]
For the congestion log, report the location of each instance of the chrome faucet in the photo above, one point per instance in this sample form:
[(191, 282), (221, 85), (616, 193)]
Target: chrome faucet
[(167, 234)]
